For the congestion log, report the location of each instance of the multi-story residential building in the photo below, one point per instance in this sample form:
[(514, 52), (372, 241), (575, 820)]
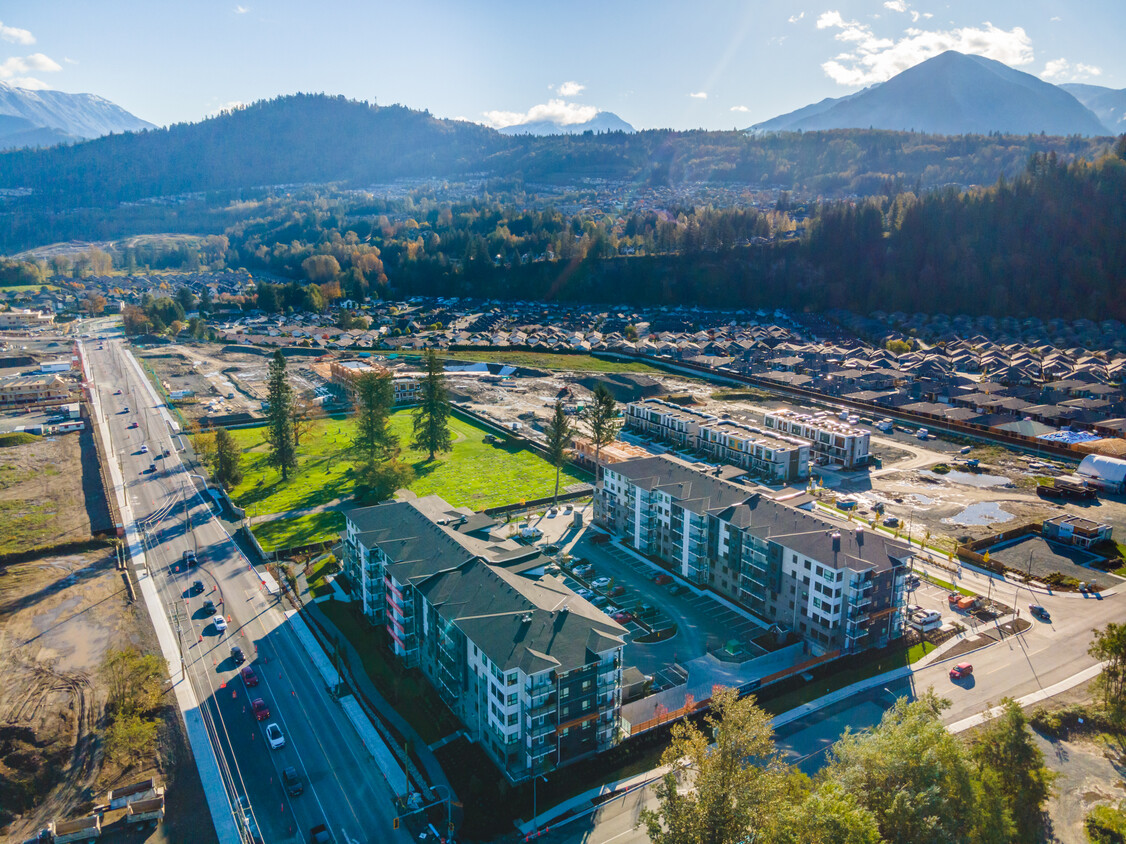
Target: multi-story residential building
[(841, 588), (32, 389), (666, 421), (532, 670), (346, 372), (1075, 530), (833, 441), (773, 458), (22, 318)]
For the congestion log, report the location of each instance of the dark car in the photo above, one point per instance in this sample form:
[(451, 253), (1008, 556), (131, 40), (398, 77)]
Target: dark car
[(319, 834), (1039, 612), (237, 655), (662, 580), (248, 676), (197, 586), (189, 558), (292, 781), (209, 607), (261, 710)]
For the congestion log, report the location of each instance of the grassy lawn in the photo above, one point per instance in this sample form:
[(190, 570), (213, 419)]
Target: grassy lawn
[(406, 689), (317, 584), (475, 474), (948, 586), (549, 360), (280, 534), (838, 680)]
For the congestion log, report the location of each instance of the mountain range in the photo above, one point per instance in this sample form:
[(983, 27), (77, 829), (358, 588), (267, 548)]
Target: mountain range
[(1108, 104), (604, 121), (952, 94), (44, 118)]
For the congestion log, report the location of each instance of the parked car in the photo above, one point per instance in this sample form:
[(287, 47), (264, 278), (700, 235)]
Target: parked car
[(292, 781), (676, 589), (237, 655), (617, 591), (585, 594), (600, 582), (261, 711), (962, 669), (1039, 612), (662, 579), (220, 624), (275, 736), (584, 570), (622, 616), (209, 607)]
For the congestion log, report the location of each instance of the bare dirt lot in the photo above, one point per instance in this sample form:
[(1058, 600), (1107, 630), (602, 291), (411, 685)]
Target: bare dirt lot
[(59, 615), (50, 492)]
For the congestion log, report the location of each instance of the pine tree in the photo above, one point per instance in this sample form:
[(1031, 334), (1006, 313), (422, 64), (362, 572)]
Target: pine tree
[(375, 396), (279, 418), (432, 416), (228, 460), (558, 434), (600, 417)]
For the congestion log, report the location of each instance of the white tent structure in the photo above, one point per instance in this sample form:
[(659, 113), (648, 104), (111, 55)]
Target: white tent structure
[(1102, 471)]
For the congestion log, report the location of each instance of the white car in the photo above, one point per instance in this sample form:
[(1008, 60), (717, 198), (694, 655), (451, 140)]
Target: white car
[(220, 624), (144, 449), (600, 582), (274, 736)]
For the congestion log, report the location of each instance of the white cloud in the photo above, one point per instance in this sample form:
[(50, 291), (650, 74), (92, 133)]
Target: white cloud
[(1062, 70), (896, 5), (739, 108), (12, 70), (570, 89), (16, 35), (559, 112), (1054, 18), (241, 10), (796, 18), (233, 105), (871, 58), (699, 95), (69, 60)]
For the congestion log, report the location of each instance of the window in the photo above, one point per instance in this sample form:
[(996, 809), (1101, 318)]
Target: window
[(512, 718), (808, 565), (586, 705), (510, 680), (512, 699)]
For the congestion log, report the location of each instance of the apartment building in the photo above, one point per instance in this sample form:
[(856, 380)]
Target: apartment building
[(32, 389), (345, 373), (586, 454), (532, 670), (841, 588), (773, 458), (22, 318), (832, 441)]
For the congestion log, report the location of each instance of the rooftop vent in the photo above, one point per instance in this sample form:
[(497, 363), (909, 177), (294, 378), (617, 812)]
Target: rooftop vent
[(526, 618)]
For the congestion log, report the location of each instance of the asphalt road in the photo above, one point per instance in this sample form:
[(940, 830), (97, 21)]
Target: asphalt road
[(343, 787)]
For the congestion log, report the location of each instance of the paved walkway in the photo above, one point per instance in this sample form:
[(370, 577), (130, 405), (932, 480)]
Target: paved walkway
[(387, 712)]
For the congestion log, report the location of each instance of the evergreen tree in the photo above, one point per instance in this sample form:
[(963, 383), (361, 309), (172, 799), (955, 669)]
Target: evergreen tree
[(375, 396), (600, 417), (558, 434), (228, 460), (432, 416), (279, 417)]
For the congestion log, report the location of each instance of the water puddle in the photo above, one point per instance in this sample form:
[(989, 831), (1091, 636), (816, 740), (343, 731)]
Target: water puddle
[(981, 513), (968, 479)]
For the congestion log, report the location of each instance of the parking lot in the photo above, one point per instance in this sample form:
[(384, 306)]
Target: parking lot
[(681, 624)]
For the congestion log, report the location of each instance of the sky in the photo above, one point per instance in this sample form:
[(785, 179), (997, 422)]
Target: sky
[(714, 64)]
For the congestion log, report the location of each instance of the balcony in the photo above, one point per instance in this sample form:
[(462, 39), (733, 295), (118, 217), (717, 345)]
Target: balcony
[(546, 707), (541, 730)]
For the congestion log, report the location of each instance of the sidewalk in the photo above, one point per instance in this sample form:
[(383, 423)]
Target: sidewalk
[(387, 712)]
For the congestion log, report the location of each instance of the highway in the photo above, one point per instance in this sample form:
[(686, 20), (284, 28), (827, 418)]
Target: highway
[(342, 785)]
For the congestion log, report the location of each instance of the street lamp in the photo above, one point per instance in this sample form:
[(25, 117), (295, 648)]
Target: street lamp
[(535, 781)]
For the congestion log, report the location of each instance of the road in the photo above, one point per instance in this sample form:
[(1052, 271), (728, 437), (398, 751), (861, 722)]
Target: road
[(343, 787)]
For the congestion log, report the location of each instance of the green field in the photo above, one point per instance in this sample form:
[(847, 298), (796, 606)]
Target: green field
[(549, 360), (280, 534), (475, 474)]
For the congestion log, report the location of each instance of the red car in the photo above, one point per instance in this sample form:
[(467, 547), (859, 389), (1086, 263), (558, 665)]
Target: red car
[(249, 677), (962, 669), (622, 616), (261, 711), (662, 579)]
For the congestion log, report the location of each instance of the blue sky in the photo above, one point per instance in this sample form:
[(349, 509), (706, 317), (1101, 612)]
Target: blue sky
[(716, 64)]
